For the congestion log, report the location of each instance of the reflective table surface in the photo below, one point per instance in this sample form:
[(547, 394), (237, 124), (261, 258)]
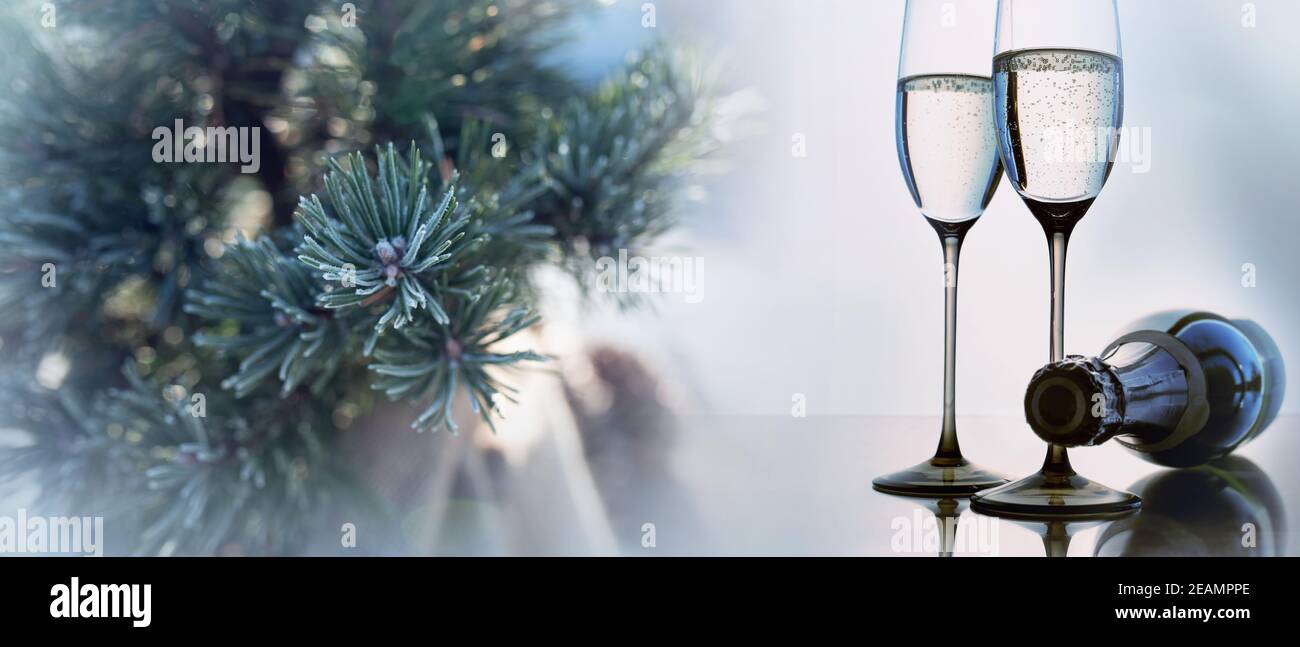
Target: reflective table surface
[(802, 486)]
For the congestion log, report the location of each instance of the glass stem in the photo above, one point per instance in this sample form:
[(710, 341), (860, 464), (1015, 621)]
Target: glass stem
[(1057, 462), (951, 236), (1056, 539), (948, 519), (1057, 241)]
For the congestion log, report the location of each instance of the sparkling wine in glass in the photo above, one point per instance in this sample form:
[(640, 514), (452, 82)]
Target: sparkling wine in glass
[(1058, 88), (948, 150)]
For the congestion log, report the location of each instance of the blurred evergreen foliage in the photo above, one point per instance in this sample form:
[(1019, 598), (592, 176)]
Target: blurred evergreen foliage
[(208, 334)]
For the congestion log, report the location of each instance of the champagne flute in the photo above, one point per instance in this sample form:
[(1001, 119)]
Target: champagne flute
[(1059, 104), (947, 148)]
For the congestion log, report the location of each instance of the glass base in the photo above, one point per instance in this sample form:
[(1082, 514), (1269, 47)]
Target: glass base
[(1044, 496), (939, 477)]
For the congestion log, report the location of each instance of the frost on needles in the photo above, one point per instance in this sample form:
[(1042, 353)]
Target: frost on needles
[(384, 263)]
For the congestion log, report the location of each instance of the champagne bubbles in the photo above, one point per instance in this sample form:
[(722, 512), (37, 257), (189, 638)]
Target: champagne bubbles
[(947, 144), (1063, 112)]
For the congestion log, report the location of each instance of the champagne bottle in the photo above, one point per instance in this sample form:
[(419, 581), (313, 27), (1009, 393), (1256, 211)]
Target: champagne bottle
[(1182, 389)]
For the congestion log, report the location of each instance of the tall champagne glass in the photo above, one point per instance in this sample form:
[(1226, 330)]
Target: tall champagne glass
[(947, 148), (1058, 106)]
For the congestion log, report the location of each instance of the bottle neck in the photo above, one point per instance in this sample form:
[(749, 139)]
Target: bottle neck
[(1138, 391)]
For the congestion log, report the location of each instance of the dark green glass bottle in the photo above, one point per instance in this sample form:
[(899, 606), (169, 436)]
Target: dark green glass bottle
[(1180, 389)]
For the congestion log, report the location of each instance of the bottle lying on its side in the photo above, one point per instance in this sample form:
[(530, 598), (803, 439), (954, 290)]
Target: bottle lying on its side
[(1181, 389)]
